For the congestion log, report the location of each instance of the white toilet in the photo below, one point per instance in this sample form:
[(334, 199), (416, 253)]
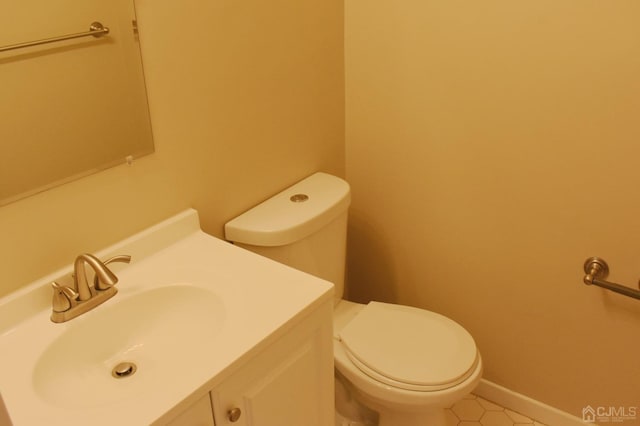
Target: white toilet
[(405, 363)]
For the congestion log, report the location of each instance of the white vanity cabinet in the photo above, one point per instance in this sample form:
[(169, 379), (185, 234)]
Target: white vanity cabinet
[(199, 414), (286, 382), (220, 336)]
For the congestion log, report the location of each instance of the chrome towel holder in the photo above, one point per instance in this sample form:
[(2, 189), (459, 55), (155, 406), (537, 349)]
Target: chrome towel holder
[(96, 30), (597, 270)]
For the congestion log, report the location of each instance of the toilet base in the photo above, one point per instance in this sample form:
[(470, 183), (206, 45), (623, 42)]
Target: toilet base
[(349, 411), (394, 415), (435, 417)]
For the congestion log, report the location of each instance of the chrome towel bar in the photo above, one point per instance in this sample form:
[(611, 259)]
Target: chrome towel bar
[(96, 30), (597, 269)]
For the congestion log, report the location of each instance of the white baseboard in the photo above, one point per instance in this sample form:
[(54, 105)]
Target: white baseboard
[(526, 406)]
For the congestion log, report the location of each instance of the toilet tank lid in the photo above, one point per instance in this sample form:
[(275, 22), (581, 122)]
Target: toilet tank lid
[(293, 214)]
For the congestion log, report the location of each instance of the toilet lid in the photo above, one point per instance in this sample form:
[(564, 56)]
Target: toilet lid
[(409, 348)]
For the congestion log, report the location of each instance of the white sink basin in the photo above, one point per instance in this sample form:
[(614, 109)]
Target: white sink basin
[(151, 330), (190, 309)]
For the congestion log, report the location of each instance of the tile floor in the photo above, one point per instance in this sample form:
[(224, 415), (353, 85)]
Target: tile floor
[(476, 411)]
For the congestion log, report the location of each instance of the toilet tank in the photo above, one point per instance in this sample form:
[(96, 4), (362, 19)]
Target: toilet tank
[(304, 226)]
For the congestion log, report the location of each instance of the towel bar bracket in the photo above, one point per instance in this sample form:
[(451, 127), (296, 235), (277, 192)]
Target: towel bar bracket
[(597, 270), (595, 267)]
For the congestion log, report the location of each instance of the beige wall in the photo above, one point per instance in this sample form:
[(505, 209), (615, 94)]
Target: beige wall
[(246, 98), (492, 147)]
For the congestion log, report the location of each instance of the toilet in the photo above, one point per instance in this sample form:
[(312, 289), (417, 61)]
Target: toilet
[(404, 363)]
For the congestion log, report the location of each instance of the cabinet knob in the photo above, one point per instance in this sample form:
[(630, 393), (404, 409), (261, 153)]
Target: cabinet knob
[(234, 414)]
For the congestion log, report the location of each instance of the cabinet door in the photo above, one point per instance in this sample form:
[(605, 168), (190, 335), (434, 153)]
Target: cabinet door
[(288, 384), (199, 414)]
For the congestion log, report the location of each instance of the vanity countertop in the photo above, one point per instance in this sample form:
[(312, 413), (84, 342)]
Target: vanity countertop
[(236, 302)]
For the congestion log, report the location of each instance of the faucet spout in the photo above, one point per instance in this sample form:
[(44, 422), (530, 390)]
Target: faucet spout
[(103, 274), (68, 303)]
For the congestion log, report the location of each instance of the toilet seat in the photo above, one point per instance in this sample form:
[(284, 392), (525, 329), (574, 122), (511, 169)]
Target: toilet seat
[(409, 348)]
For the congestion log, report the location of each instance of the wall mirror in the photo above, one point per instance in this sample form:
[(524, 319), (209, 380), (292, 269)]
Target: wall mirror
[(73, 107)]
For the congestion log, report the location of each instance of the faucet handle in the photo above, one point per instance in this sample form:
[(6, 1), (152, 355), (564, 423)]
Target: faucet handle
[(98, 284), (63, 297)]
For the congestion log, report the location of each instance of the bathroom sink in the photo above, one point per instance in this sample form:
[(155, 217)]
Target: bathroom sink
[(142, 337), (190, 308)]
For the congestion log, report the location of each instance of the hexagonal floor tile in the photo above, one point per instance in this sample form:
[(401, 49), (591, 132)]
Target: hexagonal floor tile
[(496, 418), (468, 409)]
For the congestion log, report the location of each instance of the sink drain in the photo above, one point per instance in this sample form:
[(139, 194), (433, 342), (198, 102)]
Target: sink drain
[(124, 369)]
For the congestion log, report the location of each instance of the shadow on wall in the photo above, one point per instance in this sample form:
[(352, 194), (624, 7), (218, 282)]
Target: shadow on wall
[(370, 272)]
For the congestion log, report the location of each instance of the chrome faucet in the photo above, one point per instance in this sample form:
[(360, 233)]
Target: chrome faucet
[(69, 303)]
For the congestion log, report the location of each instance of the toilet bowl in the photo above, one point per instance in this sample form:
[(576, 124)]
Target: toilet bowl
[(407, 364), (414, 389)]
